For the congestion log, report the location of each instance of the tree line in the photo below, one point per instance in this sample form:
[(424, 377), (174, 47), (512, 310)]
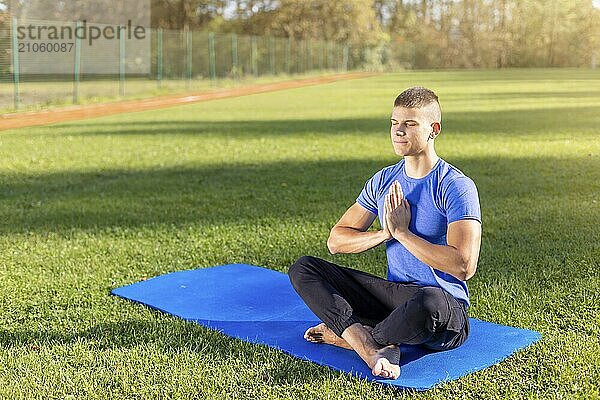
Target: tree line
[(413, 33), (407, 33)]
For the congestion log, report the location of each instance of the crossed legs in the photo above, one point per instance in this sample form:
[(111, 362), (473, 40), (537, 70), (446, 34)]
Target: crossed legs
[(372, 316)]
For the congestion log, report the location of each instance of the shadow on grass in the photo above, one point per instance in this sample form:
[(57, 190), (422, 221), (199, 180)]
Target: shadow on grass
[(512, 74), (238, 194), (520, 96), (524, 121), (240, 129), (534, 194)]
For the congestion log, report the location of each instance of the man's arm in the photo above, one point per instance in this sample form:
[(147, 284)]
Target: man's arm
[(350, 234), (458, 258)]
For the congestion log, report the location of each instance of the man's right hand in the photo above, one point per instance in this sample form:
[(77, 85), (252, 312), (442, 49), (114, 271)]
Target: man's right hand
[(396, 211), (396, 195)]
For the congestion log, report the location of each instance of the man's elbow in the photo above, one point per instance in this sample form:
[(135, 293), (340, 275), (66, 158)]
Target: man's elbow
[(467, 275), (331, 246), (465, 267), (467, 270)]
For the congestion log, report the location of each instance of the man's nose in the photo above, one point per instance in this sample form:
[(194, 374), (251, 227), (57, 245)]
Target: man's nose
[(400, 133)]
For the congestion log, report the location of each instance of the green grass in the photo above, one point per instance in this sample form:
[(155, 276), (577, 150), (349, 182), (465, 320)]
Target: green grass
[(89, 206)]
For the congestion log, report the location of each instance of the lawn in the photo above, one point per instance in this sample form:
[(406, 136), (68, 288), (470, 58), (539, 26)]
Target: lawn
[(89, 206)]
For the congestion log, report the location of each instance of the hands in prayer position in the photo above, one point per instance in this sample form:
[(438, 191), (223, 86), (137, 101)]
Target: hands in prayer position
[(397, 212)]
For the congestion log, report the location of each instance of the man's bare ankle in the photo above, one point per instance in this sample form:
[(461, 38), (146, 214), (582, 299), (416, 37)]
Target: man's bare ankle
[(357, 335)]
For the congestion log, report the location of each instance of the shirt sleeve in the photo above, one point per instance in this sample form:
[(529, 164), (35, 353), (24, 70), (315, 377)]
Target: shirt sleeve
[(368, 196), (462, 200)]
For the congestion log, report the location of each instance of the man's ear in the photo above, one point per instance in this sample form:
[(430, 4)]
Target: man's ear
[(437, 128)]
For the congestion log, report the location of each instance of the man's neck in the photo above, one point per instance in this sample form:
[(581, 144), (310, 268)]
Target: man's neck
[(419, 165)]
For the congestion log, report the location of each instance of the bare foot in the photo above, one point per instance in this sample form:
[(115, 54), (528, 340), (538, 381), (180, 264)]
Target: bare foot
[(322, 334), (387, 362), (384, 361)]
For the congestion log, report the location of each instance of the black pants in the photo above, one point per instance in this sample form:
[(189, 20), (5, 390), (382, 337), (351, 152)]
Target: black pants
[(399, 312)]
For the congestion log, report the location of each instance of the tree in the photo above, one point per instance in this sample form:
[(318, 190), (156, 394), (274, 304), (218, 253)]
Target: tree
[(186, 14), (350, 21)]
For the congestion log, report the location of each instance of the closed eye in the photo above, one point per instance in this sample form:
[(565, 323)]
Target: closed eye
[(407, 123)]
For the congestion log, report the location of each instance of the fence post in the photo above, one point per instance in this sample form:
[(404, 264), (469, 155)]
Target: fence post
[(188, 47), (345, 58), (300, 53), (15, 65), (122, 65), (288, 49), (272, 54), (321, 55), (254, 56), (212, 68), (77, 66), (234, 55), (159, 56), (310, 54)]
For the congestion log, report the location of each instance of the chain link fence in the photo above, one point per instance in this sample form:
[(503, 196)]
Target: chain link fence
[(179, 61)]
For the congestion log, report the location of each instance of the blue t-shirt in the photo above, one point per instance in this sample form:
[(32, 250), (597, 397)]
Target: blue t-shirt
[(443, 196)]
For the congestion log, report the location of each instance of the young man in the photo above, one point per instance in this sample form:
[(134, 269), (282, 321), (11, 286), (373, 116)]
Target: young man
[(431, 225)]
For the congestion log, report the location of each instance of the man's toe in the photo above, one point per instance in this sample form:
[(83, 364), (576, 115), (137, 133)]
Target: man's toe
[(377, 368)]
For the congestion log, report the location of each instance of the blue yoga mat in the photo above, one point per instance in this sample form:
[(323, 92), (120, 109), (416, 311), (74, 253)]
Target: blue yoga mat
[(259, 305)]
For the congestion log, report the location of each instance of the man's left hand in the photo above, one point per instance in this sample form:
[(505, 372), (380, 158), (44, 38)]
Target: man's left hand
[(397, 211)]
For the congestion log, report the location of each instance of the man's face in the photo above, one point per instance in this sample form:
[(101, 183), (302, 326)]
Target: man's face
[(410, 129)]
